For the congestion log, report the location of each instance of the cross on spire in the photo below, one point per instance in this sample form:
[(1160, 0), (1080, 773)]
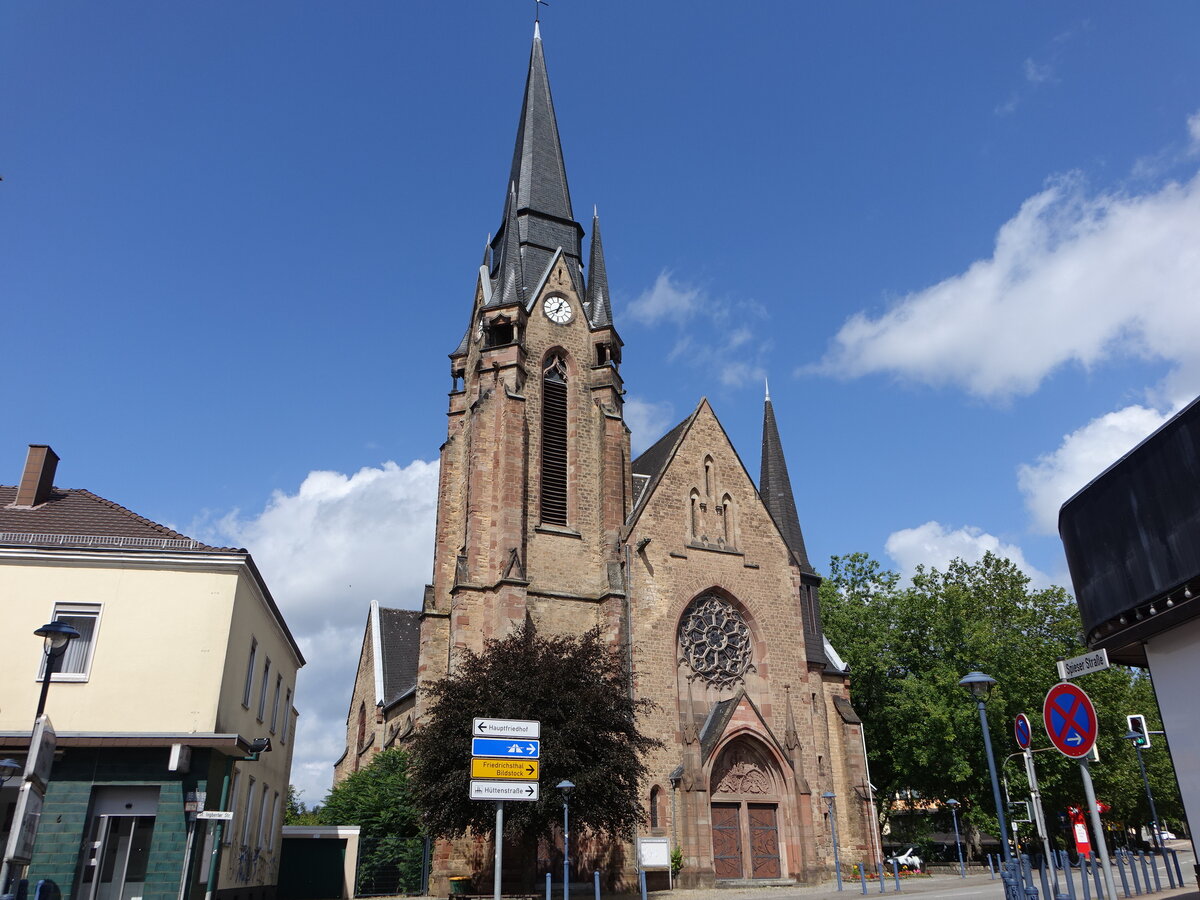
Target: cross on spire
[(537, 10)]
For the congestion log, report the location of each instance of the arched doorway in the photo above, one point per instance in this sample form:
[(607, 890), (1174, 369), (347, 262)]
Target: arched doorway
[(746, 819)]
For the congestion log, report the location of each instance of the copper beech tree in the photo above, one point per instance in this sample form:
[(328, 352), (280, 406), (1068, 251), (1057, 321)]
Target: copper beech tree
[(578, 687)]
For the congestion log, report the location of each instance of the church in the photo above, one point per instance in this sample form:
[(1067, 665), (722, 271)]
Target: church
[(696, 574)]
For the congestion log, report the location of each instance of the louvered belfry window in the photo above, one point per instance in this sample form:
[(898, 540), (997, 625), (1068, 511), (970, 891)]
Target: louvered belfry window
[(554, 442)]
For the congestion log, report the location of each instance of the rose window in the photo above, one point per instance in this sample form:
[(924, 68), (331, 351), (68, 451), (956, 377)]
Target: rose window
[(715, 641)]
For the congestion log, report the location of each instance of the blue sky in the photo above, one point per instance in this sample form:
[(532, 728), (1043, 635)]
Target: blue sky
[(240, 239)]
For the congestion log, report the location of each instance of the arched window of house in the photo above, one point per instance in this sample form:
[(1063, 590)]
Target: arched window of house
[(655, 807), (727, 520), (708, 477), (554, 441), (695, 514)]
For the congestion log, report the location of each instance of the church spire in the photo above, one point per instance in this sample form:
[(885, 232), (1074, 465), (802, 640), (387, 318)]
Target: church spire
[(776, 488), (597, 287), (545, 221)]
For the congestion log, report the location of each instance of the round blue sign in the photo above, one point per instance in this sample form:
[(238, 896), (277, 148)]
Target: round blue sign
[(1022, 730)]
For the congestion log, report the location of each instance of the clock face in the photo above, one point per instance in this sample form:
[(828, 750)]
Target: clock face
[(557, 310)]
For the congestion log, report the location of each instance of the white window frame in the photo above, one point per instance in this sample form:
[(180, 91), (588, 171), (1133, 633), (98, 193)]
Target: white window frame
[(262, 693), (227, 837), (274, 823), (287, 717), (262, 816), (245, 840), (77, 610), (275, 702), (251, 666)]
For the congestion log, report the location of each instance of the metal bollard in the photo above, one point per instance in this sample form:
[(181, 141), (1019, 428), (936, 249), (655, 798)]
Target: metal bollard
[(1141, 857), (882, 880), (1175, 859), (642, 882), (1154, 871), (1064, 864), (896, 873), (1096, 878), (862, 874), (547, 886), (1119, 857), (991, 868), (1083, 878), (596, 882), (1137, 883)]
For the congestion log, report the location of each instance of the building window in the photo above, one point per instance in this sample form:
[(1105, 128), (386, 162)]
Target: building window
[(655, 803), (250, 666), (227, 838), (274, 823), (76, 660), (262, 817), (262, 692), (275, 702), (287, 717), (554, 442), (708, 478), (249, 814), (362, 734)]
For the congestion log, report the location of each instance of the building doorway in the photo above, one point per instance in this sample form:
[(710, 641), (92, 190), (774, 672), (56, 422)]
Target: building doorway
[(116, 855), (745, 815)]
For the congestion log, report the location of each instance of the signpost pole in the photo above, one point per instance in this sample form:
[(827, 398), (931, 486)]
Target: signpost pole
[(1040, 817), (499, 849), (1097, 826)]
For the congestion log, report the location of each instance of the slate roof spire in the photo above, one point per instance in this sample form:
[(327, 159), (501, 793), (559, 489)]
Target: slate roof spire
[(776, 488), (544, 220), (599, 306)]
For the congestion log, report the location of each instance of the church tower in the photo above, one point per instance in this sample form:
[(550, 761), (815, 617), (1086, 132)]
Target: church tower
[(535, 467)]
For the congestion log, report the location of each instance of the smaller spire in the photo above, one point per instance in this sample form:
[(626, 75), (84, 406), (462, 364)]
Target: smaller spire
[(597, 285), (487, 253), (509, 271), (767, 388)]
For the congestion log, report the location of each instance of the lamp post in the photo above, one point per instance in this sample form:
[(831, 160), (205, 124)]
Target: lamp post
[(1134, 738), (953, 804), (566, 787), (55, 637), (980, 686), (829, 797)]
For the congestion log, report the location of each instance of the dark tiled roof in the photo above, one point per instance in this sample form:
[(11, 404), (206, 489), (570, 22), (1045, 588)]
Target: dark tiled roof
[(400, 640), (776, 489), (537, 212), (75, 517), (652, 460)]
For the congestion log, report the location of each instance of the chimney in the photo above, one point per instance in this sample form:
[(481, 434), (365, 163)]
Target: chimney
[(38, 479)]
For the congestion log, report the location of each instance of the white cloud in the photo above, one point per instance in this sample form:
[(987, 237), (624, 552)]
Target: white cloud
[(667, 299), (1036, 73), (325, 552), (740, 372), (647, 422), (934, 546), (1082, 455), (1073, 278)]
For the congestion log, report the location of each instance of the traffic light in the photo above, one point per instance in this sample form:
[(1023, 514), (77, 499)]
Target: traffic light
[(1137, 724)]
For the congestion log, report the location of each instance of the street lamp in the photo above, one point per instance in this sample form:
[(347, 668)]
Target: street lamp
[(829, 797), (980, 686), (953, 804), (566, 787), (8, 768), (56, 635), (1134, 738)]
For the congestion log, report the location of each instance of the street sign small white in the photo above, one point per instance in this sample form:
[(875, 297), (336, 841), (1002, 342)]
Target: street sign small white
[(504, 790), (513, 728), (1083, 665), (223, 815)]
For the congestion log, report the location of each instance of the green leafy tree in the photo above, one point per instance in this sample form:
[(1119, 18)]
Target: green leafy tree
[(378, 798), (908, 646), (296, 813), (580, 691)]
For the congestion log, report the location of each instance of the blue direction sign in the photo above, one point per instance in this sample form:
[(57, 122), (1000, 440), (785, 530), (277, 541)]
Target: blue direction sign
[(505, 748), (1022, 731), (1070, 720)]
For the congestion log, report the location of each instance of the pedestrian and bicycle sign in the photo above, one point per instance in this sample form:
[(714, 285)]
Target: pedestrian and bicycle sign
[(505, 748), (1022, 731), (1070, 719)]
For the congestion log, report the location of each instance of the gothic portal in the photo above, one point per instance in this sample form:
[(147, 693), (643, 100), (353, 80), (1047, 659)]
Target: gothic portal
[(697, 574)]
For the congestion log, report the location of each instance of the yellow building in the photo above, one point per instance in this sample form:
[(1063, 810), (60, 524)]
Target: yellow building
[(183, 662)]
